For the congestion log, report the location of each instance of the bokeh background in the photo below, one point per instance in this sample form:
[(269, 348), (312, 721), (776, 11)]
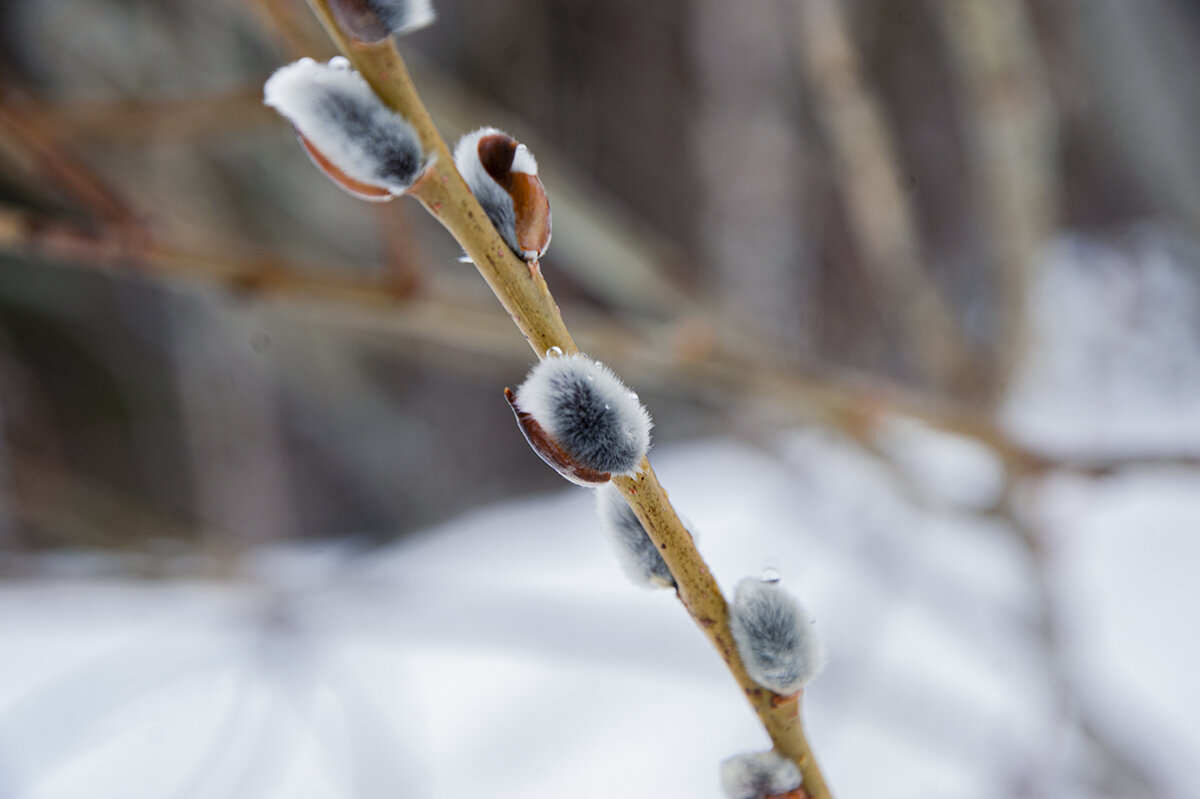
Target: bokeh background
[(911, 288)]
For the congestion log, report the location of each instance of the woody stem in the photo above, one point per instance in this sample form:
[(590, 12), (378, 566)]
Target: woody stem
[(524, 294)]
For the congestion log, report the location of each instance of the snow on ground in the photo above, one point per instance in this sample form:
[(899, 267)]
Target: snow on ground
[(1114, 363), (505, 655), (1125, 557)]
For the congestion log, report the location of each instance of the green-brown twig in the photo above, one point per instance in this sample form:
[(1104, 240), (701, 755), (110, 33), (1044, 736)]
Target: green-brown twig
[(525, 296)]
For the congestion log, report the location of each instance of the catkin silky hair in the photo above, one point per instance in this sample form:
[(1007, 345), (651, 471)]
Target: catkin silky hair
[(638, 555), (581, 419), (758, 775), (366, 148), (775, 637), (375, 20), (503, 175)]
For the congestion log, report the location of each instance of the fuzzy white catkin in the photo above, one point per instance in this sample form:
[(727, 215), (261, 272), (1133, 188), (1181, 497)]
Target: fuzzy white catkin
[(639, 557), (335, 109), (402, 16), (758, 775), (375, 20), (588, 412), (775, 637), (496, 202), (394, 16)]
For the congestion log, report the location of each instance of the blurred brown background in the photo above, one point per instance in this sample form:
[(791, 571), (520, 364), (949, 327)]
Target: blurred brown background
[(767, 213)]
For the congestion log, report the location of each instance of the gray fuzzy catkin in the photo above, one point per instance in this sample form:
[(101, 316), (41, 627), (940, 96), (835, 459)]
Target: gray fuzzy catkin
[(375, 20), (402, 16), (588, 411), (335, 109), (776, 639), (639, 557), (496, 202), (758, 775)]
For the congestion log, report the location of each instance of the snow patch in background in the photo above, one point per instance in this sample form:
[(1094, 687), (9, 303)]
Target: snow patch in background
[(505, 654), (1113, 364), (1125, 558)]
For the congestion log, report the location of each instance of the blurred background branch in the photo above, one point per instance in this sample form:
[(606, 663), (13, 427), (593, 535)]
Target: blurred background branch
[(85, 189)]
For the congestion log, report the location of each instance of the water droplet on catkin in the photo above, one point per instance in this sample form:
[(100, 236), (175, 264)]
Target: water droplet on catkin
[(554, 352)]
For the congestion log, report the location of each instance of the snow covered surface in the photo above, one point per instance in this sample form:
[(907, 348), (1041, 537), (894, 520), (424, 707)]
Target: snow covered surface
[(506, 655), (1113, 367)]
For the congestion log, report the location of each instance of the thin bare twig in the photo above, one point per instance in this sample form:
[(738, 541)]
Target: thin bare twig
[(115, 249), (138, 120), (404, 266), (34, 148)]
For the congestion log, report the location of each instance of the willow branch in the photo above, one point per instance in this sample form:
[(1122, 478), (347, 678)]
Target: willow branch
[(444, 194), (525, 296), (702, 597)]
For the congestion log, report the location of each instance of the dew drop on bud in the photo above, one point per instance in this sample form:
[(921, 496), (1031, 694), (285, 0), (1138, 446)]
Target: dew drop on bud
[(339, 62), (770, 575), (554, 352)]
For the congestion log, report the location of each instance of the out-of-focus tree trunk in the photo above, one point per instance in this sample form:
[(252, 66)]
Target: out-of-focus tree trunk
[(750, 164), (227, 398)]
